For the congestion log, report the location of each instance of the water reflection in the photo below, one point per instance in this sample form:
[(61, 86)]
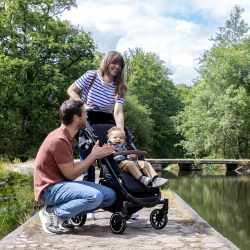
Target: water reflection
[(221, 198)]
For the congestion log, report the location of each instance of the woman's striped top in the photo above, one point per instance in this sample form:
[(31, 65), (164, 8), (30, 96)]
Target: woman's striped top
[(100, 96)]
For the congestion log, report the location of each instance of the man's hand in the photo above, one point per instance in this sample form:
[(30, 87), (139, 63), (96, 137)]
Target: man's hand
[(133, 156), (100, 152)]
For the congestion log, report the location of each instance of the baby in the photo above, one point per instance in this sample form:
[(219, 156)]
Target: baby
[(135, 165)]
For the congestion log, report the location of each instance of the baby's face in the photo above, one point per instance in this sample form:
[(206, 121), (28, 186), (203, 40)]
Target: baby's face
[(117, 137)]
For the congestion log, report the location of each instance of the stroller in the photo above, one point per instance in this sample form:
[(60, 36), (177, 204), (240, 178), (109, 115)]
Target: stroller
[(132, 196)]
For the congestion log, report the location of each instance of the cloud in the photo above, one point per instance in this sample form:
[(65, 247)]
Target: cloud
[(178, 31)]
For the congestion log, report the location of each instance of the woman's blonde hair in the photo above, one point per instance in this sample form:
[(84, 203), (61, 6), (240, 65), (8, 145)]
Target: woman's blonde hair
[(120, 87)]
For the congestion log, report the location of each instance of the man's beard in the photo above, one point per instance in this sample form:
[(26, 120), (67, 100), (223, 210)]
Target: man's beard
[(82, 125)]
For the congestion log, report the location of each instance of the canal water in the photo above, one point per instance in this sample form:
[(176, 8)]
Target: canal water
[(221, 198)]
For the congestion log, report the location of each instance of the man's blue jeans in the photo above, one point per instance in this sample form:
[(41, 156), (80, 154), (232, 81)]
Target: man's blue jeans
[(71, 198), (91, 169)]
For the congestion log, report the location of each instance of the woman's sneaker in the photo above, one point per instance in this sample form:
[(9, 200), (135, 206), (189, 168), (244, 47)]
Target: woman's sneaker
[(145, 180), (49, 222), (91, 216), (134, 216), (158, 182)]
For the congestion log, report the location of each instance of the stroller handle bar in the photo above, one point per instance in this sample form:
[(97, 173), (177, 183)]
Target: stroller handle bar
[(137, 152)]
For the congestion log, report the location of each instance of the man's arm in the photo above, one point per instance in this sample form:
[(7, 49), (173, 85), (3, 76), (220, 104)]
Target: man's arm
[(73, 169), (118, 114)]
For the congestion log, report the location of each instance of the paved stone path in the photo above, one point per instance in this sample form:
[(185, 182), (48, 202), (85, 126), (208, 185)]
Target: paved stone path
[(181, 232), (185, 230)]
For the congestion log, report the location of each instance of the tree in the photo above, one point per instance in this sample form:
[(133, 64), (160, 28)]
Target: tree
[(40, 56), (149, 81), (215, 120), (139, 123), (234, 30)]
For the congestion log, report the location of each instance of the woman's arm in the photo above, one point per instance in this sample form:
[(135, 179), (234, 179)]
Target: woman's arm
[(72, 92), (118, 114)]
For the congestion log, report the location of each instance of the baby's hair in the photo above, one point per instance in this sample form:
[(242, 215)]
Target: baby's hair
[(110, 131)]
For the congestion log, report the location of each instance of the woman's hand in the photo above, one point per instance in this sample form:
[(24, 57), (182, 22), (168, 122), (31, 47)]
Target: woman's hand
[(87, 107)]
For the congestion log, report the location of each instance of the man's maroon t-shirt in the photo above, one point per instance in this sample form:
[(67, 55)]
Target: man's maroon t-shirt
[(56, 149)]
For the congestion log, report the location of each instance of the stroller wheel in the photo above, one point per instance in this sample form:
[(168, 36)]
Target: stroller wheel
[(78, 220), (158, 219), (117, 225)]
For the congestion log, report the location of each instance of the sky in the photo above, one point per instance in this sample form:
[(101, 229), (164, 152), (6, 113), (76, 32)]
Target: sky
[(178, 31)]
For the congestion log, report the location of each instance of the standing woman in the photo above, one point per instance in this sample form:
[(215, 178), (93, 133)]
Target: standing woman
[(108, 89), (105, 94)]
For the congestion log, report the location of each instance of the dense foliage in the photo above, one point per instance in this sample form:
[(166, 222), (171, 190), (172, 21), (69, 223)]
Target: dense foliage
[(215, 121), (17, 203), (139, 123), (148, 80), (40, 56)]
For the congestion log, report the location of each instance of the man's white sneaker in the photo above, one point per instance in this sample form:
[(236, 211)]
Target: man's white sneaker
[(49, 222), (65, 225), (91, 216), (145, 180), (158, 182)]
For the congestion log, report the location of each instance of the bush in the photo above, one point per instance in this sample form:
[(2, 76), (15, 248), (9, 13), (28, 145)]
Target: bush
[(16, 200), (137, 120)]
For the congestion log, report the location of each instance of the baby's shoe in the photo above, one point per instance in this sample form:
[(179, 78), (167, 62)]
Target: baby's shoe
[(158, 182), (145, 180)]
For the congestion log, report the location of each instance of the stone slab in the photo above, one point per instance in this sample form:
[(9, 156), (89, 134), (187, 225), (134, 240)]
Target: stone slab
[(180, 233)]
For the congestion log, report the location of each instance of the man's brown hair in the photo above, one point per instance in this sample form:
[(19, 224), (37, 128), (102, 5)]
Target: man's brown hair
[(70, 108)]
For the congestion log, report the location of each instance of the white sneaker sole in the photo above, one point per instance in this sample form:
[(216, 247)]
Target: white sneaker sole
[(160, 185), (43, 224)]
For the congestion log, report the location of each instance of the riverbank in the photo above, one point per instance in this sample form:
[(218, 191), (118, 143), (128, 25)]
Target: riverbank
[(185, 230)]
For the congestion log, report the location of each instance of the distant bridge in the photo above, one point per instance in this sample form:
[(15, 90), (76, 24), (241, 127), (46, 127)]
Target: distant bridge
[(196, 164)]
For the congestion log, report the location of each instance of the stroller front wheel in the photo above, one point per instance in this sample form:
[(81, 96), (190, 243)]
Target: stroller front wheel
[(117, 224), (158, 219), (78, 220)]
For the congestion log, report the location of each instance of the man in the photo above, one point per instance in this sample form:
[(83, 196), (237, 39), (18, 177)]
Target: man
[(55, 171)]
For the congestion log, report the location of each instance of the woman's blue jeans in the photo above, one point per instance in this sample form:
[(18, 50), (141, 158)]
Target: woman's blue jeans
[(71, 198), (89, 174)]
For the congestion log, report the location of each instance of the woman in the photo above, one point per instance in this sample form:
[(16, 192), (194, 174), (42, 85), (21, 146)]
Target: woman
[(106, 93)]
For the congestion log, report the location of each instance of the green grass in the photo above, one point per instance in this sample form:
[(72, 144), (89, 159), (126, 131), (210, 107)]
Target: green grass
[(17, 203)]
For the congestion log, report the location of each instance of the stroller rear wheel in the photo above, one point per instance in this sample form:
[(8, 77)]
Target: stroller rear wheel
[(158, 219), (117, 224), (78, 220)]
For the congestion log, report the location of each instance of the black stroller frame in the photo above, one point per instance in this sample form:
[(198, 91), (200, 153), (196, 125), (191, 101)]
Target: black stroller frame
[(130, 199)]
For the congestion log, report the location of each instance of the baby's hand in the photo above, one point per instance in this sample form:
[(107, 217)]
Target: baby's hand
[(133, 156), (105, 145)]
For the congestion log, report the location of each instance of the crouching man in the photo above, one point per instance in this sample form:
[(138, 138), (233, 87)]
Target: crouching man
[(55, 172)]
